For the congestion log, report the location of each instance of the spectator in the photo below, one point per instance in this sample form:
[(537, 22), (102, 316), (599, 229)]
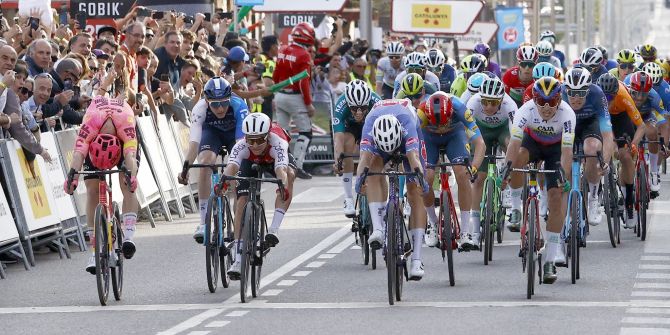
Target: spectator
[(135, 34), (270, 49), (81, 43), (20, 76), (169, 61), (107, 33), (358, 72), (39, 57), (188, 40), (190, 88), (68, 71), (109, 47), (336, 81), (26, 91)]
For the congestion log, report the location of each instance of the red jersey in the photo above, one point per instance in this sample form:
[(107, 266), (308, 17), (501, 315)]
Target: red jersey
[(528, 94), (293, 59), (513, 85)]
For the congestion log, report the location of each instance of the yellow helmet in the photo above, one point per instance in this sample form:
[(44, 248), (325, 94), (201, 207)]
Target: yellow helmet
[(412, 84), (625, 56)]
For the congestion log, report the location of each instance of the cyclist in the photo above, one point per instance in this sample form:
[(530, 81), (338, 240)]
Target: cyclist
[(549, 35), (662, 88), (485, 50), (348, 118), (416, 63), (593, 128), (414, 88), (492, 109), (592, 60), (625, 64), (546, 50), (542, 69), (391, 128), (519, 77), (543, 131), (626, 120), (108, 129), (648, 53), (473, 85), (265, 143), (217, 122), (388, 69), (470, 65), (608, 63), (448, 125), (650, 105), (437, 64)]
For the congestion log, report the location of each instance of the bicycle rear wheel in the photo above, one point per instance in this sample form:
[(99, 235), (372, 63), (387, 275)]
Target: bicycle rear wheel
[(117, 271), (574, 237), (530, 253), (487, 228), (401, 262), (259, 251), (610, 202), (211, 244), (391, 250), (102, 272), (448, 237), (247, 242)]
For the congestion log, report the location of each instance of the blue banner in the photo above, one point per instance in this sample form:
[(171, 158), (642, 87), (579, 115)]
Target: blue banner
[(511, 30), (249, 2)]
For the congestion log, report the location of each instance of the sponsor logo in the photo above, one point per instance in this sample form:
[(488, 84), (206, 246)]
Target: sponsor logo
[(468, 116), (336, 121), (411, 141)]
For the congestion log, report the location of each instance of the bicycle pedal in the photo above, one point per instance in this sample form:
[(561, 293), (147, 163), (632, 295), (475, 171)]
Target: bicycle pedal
[(414, 278)]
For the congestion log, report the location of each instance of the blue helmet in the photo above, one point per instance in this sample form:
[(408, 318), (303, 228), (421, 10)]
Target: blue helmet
[(543, 69), (217, 88)]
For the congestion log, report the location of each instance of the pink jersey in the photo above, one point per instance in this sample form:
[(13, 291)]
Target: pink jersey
[(98, 112)]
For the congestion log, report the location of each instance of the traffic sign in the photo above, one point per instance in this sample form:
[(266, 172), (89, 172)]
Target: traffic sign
[(301, 6), (480, 32), (434, 16)]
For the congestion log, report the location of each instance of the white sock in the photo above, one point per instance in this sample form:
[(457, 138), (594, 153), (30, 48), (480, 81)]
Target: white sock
[(653, 162), (593, 189), (476, 221), (417, 238), (465, 222), (553, 243), (129, 221), (432, 217), (516, 197), (276, 220), (203, 210), (377, 215), (347, 179)]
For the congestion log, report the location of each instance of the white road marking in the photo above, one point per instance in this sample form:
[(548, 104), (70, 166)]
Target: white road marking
[(217, 324), (340, 247), (315, 264), (655, 258), (650, 294), (355, 247), (272, 293), (644, 331), (652, 285), (287, 282), (190, 323), (653, 275), (199, 332), (301, 273), (236, 314), (327, 256), (648, 310), (318, 195), (654, 267), (646, 320)]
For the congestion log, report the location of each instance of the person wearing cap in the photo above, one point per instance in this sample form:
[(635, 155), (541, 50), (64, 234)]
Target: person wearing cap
[(107, 33), (236, 62)]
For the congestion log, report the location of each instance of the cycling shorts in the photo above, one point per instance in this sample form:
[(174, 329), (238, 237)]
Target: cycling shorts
[(550, 154)]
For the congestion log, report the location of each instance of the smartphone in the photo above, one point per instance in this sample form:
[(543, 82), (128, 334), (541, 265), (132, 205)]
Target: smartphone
[(165, 77), (138, 99), (81, 20), (144, 12), (196, 45), (189, 19), (208, 16), (77, 93), (34, 23), (223, 16), (67, 85), (158, 15)]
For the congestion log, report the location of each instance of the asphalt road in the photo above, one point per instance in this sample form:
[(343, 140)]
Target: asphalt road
[(314, 281)]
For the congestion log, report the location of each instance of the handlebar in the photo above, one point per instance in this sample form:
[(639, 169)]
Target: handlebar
[(123, 169), (366, 173), (465, 162), (277, 181), (509, 169)]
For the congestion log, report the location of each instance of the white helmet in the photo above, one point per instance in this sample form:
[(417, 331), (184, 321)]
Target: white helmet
[(591, 57), (544, 48), (416, 59), (492, 88), (435, 58), (475, 82), (395, 48), (548, 34), (655, 72), (578, 78), (357, 93), (256, 124), (387, 133)]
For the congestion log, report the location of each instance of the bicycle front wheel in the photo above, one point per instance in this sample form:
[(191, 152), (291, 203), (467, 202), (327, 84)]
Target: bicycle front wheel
[(225, 254), (611, 207), (574, 237), (391, 250), (487, 227), (246, 252), (211, 245), (117, 271), (259, 250), (102, 272), (448, 236), (530, 254)]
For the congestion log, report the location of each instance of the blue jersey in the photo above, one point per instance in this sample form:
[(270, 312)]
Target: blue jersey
[(405, 113), (663, 90), (654, 103), (611, 64), (232, 121), (461, 118), (447, 77), (561, 57), (595, 106)]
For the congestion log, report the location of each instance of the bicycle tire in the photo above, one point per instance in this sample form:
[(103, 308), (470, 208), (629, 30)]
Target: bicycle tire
[(530, 253), (258, 252), (448, 235), (101, 254), (500, 218), (391, 249), (400, 261), (487, 228), (225, 254), (611, 207), (246, 252), (644, 204), (574, 237), (117, 271), (211, 248)]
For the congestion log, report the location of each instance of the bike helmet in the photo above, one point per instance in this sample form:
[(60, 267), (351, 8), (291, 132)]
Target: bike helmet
[(547, 88), (655, 72), (591, 57), (603, 50), (435, 58), (357, 93), (303, 33), (439, 109), (527, 53), (578, 78), (648, 52), (412, 84), (544, 48), (475, 82), (415, 59), (548, 35), (387, 133), (395, 48), (105, 151), (641, 82), (482, 49), (472, 64), (625, 56), (217, 88), (609, 84), (256, 124), (543, 69), (492, 88)]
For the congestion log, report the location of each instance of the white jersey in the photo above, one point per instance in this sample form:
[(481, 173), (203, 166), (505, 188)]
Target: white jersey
[(198, 116), (466, 96), (386, 73), (560, 128), (276, 152), (429, 77), (502, 117)]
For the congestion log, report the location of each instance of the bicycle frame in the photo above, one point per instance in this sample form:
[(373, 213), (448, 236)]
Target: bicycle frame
[(575, 192), (445, 187), (533, 191)]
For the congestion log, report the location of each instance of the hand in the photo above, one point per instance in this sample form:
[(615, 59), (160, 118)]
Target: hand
[(45, 155), (182, 178), (286, 193), (179, 24), (199, 17), (633, 151), (83, 99), (133, 183), (14, 118), (51, 122), (64, 97), (10, 77), (70, 185), (38, 116), (336, 169), (422, 181), (311, 110)]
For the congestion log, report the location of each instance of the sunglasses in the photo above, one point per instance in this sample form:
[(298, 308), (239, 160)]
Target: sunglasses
[(219, 104), (93, 69), (256, 140), (638, 94), (626, 66), (577, 93), (491, 102), (414, 70), (395, 57), (415, 96), (527, 64), (542, 102), (359, 109), (26, 91)]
